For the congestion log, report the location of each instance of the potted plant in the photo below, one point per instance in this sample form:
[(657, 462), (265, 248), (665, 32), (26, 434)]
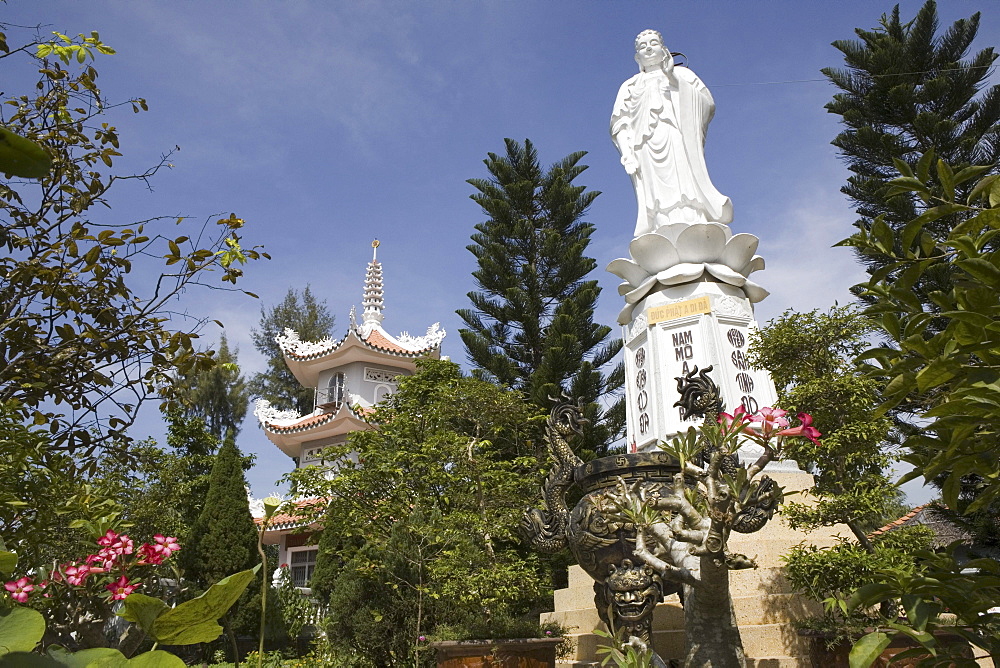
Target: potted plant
[(496, 643)]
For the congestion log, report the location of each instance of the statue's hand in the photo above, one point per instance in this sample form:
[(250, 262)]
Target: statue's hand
[(630, 163)]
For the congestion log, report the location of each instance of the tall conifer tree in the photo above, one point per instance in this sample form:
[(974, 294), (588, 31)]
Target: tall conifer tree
[(220, 395), (302, 312), (908, 91), (531, 325), (223, 541)]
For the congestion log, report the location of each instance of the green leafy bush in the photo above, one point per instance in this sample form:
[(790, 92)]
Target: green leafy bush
[(833, 575)]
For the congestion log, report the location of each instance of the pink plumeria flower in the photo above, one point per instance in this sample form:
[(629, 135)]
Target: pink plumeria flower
[(122, 545), (104, 558), (120, 588), (20, 589), (151, 555), (107, 557), (770, 419), (805, 428), (166, 545), (76, 574), (735, 422), (107, 539)]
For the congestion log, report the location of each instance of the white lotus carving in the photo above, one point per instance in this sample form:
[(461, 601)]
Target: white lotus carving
[(681, 253)]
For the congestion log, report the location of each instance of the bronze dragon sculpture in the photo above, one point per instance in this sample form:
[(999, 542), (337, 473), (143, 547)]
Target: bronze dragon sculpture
[(546, 527)]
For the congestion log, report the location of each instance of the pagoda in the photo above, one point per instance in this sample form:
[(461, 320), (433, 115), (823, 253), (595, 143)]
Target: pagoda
[(349, 376)]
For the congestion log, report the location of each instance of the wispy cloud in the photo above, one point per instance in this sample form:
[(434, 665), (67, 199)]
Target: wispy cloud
[(354, 72), (804, 271)]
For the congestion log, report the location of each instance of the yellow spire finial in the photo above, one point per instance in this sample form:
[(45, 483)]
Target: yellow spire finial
[(375, 244)]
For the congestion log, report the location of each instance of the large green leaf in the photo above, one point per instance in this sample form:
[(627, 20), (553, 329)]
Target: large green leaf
[(185, 630), (8, 562), (930, 215), (981, 269), (194, 621), (939, 371), (870, 594), (869, 648), (924, 638), (142, 610), (20, 629), (103, 657), (22, 157), (155, 659), (28, 660)]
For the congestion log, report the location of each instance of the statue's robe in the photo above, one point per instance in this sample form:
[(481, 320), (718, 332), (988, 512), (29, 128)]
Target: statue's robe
[(665, 119)]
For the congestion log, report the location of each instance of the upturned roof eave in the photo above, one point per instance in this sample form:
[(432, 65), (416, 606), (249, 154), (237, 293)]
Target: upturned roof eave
[(352, 348), (289, 439)]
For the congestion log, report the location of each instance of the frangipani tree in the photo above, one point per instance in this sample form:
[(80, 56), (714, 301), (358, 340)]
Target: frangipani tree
[(682, 529)]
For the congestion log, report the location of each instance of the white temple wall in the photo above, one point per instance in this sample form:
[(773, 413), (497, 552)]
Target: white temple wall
[(367, 383), (311, 453)]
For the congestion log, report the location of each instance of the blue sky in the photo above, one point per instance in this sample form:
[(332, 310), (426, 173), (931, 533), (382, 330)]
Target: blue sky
[(326, 124)]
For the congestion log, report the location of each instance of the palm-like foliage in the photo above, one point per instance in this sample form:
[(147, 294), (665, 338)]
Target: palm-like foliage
[(908, 90)]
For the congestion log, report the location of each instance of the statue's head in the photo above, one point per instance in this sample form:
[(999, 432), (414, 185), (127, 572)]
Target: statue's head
[(649, 50), (634, 591)]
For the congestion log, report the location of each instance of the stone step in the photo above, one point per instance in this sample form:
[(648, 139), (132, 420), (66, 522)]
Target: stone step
[(758, 640), (779, 662), (577, 621), (750, 609), (758, 662), (756, 582), (750, 581)]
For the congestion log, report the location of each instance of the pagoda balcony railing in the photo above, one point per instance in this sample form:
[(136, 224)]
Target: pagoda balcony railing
[(331, 398)]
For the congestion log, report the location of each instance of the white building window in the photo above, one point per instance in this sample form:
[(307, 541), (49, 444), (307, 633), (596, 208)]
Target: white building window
[(303, 563), (333, 395)]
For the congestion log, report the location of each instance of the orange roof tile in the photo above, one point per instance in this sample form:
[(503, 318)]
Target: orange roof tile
[(931, 515), (900, 522), (375, 339), (308, 421), (379, 341), (292, 517)]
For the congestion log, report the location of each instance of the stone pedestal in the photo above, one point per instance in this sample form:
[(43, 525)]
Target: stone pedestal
[(679, 328), (764, 602)]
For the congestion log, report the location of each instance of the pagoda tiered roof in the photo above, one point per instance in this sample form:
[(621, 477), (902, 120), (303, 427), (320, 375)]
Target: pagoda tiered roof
[(366, 342), (288, 430)]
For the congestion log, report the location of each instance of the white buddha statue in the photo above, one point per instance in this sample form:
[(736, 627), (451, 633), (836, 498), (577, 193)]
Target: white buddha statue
[(659, 124)]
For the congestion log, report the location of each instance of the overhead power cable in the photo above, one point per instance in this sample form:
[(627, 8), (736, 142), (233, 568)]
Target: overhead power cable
[(872, 76)]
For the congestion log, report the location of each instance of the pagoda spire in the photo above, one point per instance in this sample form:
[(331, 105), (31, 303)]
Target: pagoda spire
[(373, 301)]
